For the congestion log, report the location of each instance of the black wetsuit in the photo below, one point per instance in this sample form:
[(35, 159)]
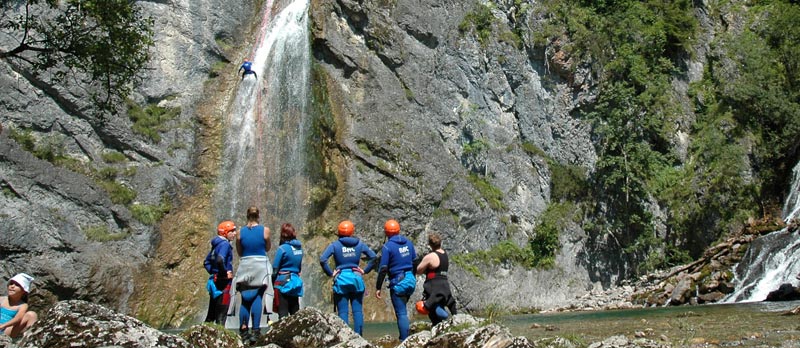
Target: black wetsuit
[(436, 289)]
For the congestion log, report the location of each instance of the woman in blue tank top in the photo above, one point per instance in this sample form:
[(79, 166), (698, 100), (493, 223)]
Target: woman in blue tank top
[(254, 275)]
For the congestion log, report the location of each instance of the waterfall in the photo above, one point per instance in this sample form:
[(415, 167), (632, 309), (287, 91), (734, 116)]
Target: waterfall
[(773, 259), (264, 154)]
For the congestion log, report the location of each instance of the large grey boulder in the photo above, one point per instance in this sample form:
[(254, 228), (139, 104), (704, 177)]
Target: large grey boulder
[(310, 328), (84, 324)]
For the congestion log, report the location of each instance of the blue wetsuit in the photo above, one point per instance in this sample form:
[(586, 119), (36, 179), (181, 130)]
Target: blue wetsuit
[(288, 263), (397, 261), (248, 69), (253, 244), (346, 254), (218, 263)]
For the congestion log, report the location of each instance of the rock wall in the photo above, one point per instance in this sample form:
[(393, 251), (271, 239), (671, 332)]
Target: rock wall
[(49, 208), (422, 106)]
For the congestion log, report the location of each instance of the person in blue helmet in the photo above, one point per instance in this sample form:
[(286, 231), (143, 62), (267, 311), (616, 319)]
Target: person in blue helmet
[(219, 265), (397, 261), (348, 281), (436, 293), (287, 264), (247, 66), (253, 278)]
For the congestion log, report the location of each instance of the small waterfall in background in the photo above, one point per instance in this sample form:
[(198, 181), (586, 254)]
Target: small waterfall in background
[(264, 152), (773, 259)]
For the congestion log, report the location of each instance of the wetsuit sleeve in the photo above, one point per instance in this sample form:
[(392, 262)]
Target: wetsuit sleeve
[(383, 269), (228, 257), (323, 260), (370, 257)]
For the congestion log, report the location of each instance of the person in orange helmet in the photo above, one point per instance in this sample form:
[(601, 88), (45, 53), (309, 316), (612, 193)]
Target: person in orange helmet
[(219, 265), (397, 261), (348, 283)]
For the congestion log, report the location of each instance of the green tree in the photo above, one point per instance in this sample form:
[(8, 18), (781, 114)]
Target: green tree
[(103, 44)]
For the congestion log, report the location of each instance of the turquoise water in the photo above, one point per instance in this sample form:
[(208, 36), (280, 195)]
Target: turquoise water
[(745, 324)]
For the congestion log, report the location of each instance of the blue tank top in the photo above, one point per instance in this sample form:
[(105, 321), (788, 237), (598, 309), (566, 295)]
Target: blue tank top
[(253, 243), (6, 314)]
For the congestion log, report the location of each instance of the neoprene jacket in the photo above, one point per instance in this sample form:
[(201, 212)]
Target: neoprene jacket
[(346, 253)]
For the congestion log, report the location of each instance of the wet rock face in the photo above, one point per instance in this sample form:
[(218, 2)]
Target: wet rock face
[(430, 118), (65, 223)]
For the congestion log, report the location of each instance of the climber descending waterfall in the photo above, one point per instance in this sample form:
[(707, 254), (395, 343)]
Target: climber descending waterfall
[(264, 143), (773, 259)]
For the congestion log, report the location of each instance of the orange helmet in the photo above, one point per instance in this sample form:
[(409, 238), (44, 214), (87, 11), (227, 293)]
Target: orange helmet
[(346, 228), (421, 307), (391, 227), (224, 227)]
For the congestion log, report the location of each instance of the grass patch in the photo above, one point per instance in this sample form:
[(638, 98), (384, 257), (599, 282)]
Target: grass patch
[(480, 22), (118, 193), (114, 157), (101, 233), (150, 121), (489, 192), (150, 214)]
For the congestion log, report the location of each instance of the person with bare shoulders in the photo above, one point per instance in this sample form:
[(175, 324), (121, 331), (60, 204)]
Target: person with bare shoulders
[(436, 293), (15, 317), (254, 276)]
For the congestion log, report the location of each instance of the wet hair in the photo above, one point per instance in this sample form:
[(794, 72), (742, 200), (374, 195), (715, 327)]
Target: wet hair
[(287, 232), (252, 214), (434, 241)]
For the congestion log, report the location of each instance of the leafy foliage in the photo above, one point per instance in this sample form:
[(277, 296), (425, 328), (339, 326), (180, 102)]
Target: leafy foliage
[(101, 43)]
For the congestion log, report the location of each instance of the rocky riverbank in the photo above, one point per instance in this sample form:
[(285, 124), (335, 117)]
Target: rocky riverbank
[(706, 280), (83, 324)]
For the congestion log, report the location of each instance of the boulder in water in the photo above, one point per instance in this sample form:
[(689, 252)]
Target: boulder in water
[(786, 292)]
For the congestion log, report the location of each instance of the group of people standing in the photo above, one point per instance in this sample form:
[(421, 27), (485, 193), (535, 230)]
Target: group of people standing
[(256, 277), (256, 280)]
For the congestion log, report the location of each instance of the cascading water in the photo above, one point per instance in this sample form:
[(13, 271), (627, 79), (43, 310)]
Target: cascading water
[(263, 162), (773, 259), (264, 153)]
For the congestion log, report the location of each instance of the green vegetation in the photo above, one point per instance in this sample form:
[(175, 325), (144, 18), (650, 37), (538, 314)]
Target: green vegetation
[(150, 214), (102, 43), (118, 193), (151, 120), (746, 117), (489, 192), (480, 21), (475, 147), (101, 233), (114, 157)]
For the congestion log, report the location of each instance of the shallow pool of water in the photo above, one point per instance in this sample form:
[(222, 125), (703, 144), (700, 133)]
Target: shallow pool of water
[(742, 324)]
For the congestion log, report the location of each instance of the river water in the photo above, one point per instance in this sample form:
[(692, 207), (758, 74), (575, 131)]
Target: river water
[(731, 325)]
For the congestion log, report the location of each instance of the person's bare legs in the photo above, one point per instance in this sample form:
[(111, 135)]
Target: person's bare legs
[(28, 320)]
